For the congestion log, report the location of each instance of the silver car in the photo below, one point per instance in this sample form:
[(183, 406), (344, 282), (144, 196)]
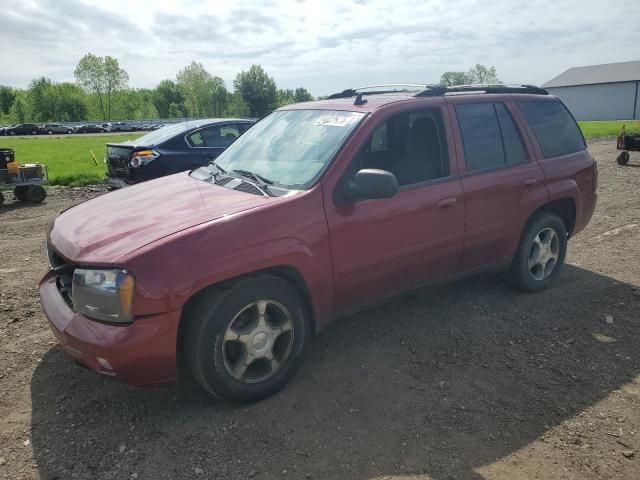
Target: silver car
[(51, 128)]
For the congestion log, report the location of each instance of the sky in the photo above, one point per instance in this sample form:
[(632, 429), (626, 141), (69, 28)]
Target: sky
[(324, 45)]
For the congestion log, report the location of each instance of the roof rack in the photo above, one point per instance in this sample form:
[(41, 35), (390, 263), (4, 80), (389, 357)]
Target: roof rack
[(439, 90), (379, 89)]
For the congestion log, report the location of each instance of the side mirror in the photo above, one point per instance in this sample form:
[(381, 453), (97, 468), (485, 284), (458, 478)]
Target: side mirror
[(370, 183)]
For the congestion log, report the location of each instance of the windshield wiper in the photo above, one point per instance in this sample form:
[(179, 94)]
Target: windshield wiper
[(262, 182)]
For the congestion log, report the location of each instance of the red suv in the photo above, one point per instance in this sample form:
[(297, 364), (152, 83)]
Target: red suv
[(318, 209)]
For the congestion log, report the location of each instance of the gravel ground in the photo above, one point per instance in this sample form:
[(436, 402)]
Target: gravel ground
[(470, 380)]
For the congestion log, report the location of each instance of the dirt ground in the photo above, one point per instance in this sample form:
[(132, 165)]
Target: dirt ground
[(471, 380)]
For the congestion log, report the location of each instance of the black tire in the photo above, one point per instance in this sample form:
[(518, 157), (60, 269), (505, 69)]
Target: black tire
[(1, 199), (522, 276), (623, 158), (208, 319), (21, 193), (35, 194)]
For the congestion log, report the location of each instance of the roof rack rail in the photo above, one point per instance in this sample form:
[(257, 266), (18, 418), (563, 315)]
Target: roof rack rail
[(439, 90), (379, 89)]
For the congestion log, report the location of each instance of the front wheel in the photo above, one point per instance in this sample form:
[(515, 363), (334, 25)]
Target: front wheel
[(245, 342), (540, 254)]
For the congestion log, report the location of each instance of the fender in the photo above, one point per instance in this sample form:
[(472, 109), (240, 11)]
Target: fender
[(168, 274)]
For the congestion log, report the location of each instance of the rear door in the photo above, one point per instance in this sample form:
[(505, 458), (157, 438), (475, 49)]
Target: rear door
[(502, 182)]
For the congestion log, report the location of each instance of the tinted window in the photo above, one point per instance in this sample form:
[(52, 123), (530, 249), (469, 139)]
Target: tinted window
[(412, 146), (489, 135), (480, 135), (554, 128), (511, 140)]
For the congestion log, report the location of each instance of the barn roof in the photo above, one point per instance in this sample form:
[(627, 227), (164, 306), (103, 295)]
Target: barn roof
[(605, 73)]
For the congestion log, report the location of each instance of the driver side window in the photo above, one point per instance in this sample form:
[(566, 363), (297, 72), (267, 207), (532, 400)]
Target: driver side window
[(411, 145)]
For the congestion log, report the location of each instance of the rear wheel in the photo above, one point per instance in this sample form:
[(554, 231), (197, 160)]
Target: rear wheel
[(245, 342), (50, 132), (1, 199), (623, 158), (35, 194), (540, 254)]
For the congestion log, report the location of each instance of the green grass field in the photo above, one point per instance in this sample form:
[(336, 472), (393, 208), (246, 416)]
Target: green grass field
[(70, 163), (68, 157), (607, 128)]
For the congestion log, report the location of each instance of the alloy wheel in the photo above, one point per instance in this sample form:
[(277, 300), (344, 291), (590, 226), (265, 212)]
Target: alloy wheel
[(258, 341), (543, 254)]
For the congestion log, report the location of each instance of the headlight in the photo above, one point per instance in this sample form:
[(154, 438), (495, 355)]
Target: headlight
[(103, 294), (142, 157)]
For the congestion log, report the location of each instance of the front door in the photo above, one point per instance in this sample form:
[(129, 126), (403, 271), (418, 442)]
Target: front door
[(384, 246)]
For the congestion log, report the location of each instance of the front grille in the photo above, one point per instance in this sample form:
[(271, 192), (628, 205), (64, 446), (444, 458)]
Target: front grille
[(63, 271)]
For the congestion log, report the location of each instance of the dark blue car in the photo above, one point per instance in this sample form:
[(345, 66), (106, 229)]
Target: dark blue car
[(171, 149)]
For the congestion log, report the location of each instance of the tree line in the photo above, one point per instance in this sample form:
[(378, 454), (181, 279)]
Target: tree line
[(101, 92)]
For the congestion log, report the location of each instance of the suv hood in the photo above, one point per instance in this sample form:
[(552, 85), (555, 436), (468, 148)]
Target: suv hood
[(104, 229)]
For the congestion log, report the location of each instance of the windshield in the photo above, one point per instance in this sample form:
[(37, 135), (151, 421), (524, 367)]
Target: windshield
[(290, 147)]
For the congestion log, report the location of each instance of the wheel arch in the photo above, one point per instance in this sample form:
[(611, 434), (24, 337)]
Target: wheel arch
[(287, 273), (565, 208)]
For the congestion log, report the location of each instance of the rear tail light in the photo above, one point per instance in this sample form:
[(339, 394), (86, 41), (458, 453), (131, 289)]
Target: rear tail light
[(142, 157)]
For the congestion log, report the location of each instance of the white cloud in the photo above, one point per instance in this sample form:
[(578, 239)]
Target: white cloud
[(323, 45)]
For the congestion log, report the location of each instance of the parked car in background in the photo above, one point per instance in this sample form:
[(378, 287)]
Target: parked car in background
[(119, 127), (90, 128), (22, 129), (319, 209), (51, 128), (171, 149)]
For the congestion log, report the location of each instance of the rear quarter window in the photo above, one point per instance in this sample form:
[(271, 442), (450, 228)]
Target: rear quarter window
[(554, 128)]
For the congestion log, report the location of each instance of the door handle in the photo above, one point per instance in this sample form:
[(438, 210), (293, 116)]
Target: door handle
[(447, 203), (530, 182)]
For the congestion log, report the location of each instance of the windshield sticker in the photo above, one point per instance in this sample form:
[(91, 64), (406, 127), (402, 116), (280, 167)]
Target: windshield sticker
[(334, 121)]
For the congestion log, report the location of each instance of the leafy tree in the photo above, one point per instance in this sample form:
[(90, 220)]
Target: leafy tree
[(257, 89), (477, 74), (103, 77), (73, 103), (450, 79), (44, 99), (20, 111), (7, 95), (287, 96), (205, 95), (236, 106), (482, 74), (166, 94)]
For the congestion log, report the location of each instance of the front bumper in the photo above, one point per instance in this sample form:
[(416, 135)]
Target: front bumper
[(142, 353)]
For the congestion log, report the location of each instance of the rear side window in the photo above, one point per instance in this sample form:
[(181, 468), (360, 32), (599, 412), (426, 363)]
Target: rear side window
[(489, 135), (554, 128)]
